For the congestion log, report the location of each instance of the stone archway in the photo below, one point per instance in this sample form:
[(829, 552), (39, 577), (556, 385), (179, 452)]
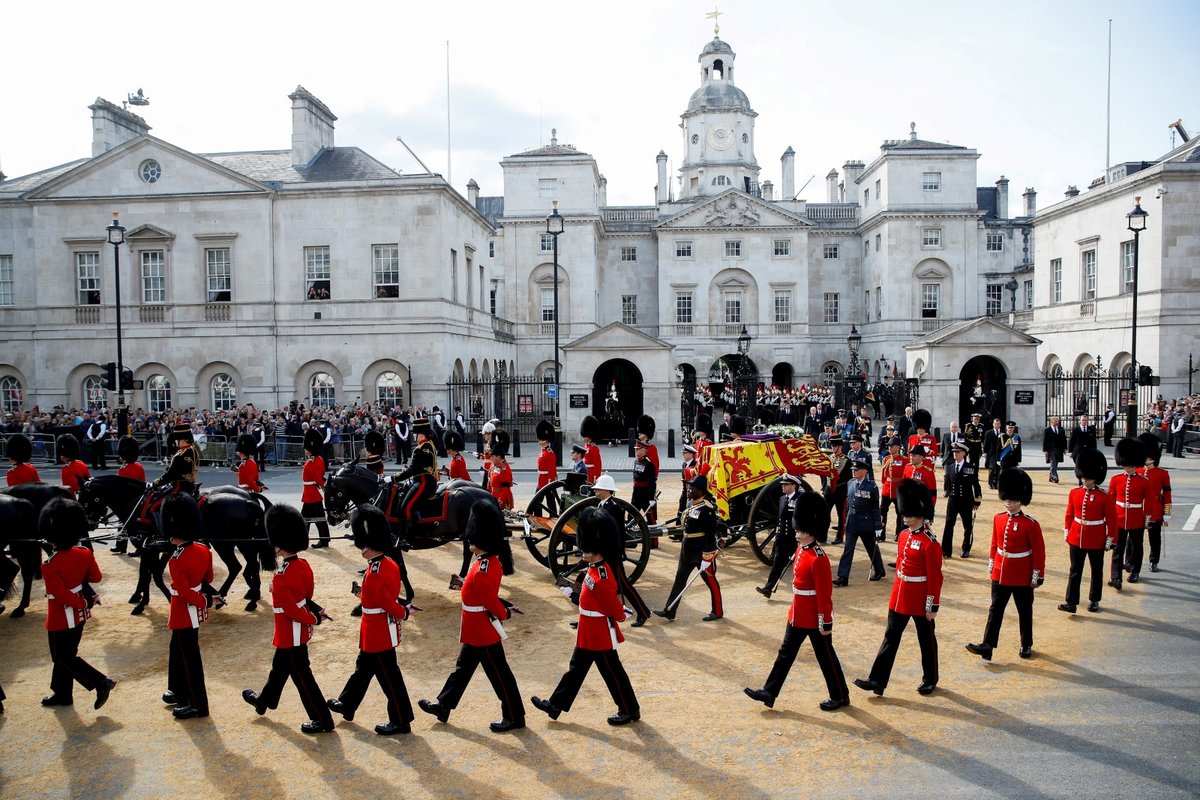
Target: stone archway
[(617, 414), (983, 388)]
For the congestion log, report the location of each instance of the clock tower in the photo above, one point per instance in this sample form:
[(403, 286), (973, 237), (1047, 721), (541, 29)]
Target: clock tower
[(718, 130)]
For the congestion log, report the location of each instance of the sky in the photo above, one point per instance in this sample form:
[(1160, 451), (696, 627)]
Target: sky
[(1022, 81)]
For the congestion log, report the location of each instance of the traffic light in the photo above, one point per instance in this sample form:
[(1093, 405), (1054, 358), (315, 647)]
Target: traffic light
[(127, 380), (109, 379), (1144, 375)]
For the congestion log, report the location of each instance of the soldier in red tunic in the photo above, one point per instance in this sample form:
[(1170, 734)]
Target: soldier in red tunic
[(702, 435), (454, 443), (920, 468), (69, 597), (295, 616), (1090, 528), (379, 630), (127, 454), (191, 571), (811, 614), (74, 472), (916, 594), (922, 422), (482, 628), (1130, 491), (589, 430), (645, 433), (1017, 563), (247, 467), (892, 472), (313, 478), (598, 633), (19, 451), (547, 462), (1158, 499), (500, 477)]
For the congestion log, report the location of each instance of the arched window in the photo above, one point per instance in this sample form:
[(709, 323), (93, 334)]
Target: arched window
[(831, 372), (321, 390), (224, 393), (94, 395), (1057, 382), (721, 180), (10, 393), (548, 375), (158, 393), (389, 390)]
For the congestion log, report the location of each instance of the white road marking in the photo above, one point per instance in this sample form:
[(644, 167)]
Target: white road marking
[(1193, 518)]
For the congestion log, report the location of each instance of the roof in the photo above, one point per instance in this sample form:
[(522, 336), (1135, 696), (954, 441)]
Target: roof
[(550, 150), (492, 208), (33, 180), (333, 164), (987, 199), (716, 46), (718, 94), (918, 144)]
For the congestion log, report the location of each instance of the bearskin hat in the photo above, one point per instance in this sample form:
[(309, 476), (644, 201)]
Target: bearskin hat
[(590, 530), (487, 530), (369, 527), (181, 518), (913, 499), (420, 460), (246, 446), (812, 515), (422, 427), (374, 443), (314, 442), (62, 523), (704, 424), (545, 431), (1091, 463), (453, 440), (501, 441), (737, 425), (1015, 484), (590, 428), (646, 426), (19, 448), (1153, 446), (1130, 452), (922, 419), (68, 446), (286, 528), (128, 450)]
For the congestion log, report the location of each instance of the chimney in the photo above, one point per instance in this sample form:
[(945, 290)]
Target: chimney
[(1072, 191), (603, 192), (767, 189), (473, 193), (787, 189), (312, 127), (852, 170), (1002, 198), (831, 186), (113, 125), (664, 188)]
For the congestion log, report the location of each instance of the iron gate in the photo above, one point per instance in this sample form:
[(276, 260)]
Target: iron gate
[(1072, 394), (518, 401)]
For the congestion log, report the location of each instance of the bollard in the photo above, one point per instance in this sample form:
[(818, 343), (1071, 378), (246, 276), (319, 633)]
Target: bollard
[(516, 442), (558, 446), (670, 443), (632, 440)]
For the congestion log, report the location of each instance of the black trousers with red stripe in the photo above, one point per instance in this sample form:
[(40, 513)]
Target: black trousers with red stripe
[(68, 666), (499, 674), (383, 667), (608, 663), (831, 667), (689, 559), (185, 670), (292, 662)]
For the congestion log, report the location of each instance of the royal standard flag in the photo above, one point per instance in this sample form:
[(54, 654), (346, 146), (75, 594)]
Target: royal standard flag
[(738, 467)]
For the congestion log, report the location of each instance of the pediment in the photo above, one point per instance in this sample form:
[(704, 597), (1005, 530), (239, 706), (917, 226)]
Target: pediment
[(986, 333), (149, 232), (734, 209), (119, 173), (616, 337)]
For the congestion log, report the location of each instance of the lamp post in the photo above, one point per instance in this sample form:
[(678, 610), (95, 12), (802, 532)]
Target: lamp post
[(1136, 223), (116, 237), (1011, 286), (554, 227), (854, 373), (746, 396)]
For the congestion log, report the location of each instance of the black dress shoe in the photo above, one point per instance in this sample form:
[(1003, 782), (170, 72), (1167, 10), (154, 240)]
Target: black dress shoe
[(637, 623), (1127, 567), (840, 581), (170, 698), (892, 564), (761, 695), (838, 541), (926, 687), (338, 707), (1115, 584), (1026, 652), (1134, 577), (251, 697), (764, 591), (869, 685), (436, 709), (103, 691), (984, 651), (318, 545), (1094, 607), (965, 554), (834, 705), (189, 712), (55, 700), (356, 611), (621, 718), (574, 624), (1067, 607), (667, 615), (710, 617), (878, 576), (545, 705), (505, 725), (393, 728), (947, 554), (312, 726), (1153, 567)]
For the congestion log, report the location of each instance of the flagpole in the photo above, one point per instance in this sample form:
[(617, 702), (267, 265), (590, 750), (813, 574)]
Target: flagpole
[(1108, 109)]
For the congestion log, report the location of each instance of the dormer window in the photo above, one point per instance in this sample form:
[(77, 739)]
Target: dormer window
[(721, 180)]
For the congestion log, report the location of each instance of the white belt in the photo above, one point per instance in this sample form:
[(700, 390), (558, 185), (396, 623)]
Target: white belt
[(76, 590), (1129, 505), (473, 608), (543, 472), (310, 483), (295, 625), (587, 612), (912, 578), (69, 612), (1089, 521), (374, 611), (499, 626), (192, 613), (1007, 554), (804, 592)]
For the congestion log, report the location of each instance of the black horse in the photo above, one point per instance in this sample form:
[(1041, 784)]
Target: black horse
[(233, 522), (18, 522)]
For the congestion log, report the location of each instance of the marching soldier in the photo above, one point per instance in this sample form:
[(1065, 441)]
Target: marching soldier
[(1129, 490), (605, 489), (991, 450), (247, 468), (892, 469), (1083, 437), (973, 434), (811, 613), (74, 472), (645, 483), (1010, 447), (1090, 528), (598, 632), (482, 628), (1017, 564), (589, 431), (785, 533), (379, 629), (922, 421), (916, 594), (500, 479), (836, 493), (313, 478), (488, 430), (191, 573), (1158, 497), (547, 462), (920, 470), (698, 552), (645, 434), (20, 451), (454, 443), (862, 520), (295, 617), (960, 487)]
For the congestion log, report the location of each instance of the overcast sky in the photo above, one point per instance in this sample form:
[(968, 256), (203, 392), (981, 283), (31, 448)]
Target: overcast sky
[(1021, 81)]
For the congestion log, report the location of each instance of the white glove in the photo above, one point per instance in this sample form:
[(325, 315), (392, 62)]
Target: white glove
[(705, 565), (567, 591), (1066, 534), (387, 478), (1166, 519)]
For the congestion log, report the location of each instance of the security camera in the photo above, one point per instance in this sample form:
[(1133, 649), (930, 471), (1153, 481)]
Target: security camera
[(1160, 192)]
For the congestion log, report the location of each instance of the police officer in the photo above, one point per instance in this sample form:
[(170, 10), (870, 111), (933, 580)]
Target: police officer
[(862, 520), (97, 437), (698, 552), (960, 487), (785, 534)]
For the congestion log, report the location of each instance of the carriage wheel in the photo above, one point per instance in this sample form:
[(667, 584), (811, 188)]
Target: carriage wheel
[(541, 514), (566, 560), (764, 517)]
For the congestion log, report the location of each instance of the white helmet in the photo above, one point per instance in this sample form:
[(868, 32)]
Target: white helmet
[(490, 426), (605, 482)]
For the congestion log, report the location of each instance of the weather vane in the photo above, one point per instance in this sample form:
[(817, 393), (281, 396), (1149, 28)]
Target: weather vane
[(715, 15)]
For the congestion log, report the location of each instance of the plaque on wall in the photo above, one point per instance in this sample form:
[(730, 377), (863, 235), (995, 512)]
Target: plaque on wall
[(579, 401), (1023, 397)]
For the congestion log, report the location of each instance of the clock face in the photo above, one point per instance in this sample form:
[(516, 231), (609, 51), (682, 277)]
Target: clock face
[(720, 138)]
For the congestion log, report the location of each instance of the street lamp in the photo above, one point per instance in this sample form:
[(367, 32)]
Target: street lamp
[(746, 395), (555, 226), (1137, 224), (854, 373), (1011, 286), (116, 237)]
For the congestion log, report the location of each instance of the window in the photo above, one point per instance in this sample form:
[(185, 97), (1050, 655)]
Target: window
[(547, 187), (783, 311), (995, 242), (492, 301), (994, 299), (316, 272), (931, 237), (322, 390), (731, 301), (683, 312), (878, 241), (832, 310), (6, 281), (831, 372), (1056, 280), (831, 251), (94, 395), (547, 296), (1089, 274), (866, 196), (491, 249), (733, 248), (389, 390), (10, 394), (866, 247), (546, 242), (683, 249), (454, 276), (87, 271), (879, 191), (931, 294), (220, 275), (878, 302), (629, 309), (629, 254), (1126, 267), (867, 304), (783, 247), (1028, 295), (154, 277), (931, 181), (150, 171), (224, 393), (385, 269), (158, 393), (721, 180)]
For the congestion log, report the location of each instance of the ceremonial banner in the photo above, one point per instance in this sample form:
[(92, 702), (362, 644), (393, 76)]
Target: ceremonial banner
[(744, 466)]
